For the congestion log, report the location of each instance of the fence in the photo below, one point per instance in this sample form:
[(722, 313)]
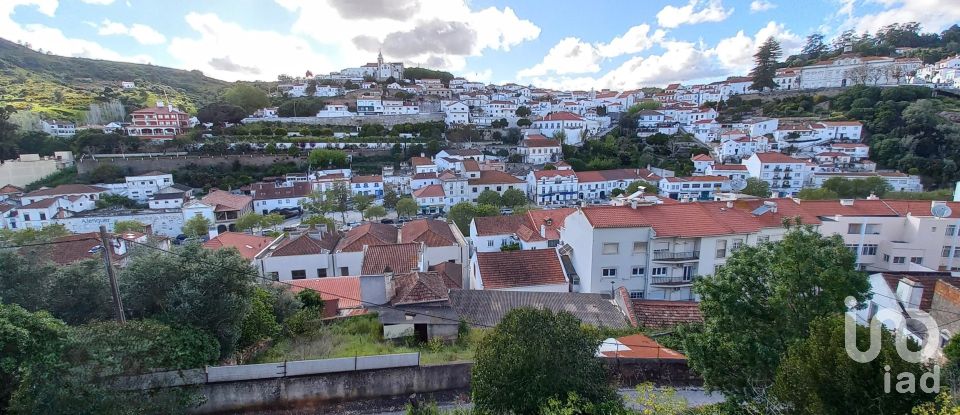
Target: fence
[(216, 374)]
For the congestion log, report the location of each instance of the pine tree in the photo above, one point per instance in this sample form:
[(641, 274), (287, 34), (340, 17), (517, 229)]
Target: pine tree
[(766, 65), (814, 46)]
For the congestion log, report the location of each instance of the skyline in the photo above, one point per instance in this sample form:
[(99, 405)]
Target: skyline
[(607, 45)]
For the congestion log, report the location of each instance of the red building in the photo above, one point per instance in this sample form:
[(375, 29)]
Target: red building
[(158, 123)]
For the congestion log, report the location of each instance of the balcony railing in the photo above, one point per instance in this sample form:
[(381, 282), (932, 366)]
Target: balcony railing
[(673, 280), (675, 256)]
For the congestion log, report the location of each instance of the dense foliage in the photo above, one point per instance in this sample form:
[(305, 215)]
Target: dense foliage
[(612, 152)]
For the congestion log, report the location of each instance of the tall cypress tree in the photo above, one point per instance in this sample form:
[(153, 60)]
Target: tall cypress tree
[(765, 65)]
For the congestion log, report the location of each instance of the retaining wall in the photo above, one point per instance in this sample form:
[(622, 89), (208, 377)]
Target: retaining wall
[(384, 120)]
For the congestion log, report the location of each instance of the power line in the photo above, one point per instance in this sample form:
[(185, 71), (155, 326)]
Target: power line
[(47, 243)]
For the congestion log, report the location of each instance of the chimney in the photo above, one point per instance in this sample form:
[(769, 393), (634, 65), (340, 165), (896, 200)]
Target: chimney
[(729, 204), (772, 205), (543, 230), (424, 266), (159, 104), (633, 203), (909, 292), (846, 202)]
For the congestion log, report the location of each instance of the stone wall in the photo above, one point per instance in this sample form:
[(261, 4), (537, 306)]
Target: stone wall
[(384, 120)]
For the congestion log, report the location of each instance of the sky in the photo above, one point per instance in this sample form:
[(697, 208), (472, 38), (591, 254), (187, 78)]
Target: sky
[(560, 44)]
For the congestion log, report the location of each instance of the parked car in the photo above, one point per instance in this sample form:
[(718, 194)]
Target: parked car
[(387, 221)]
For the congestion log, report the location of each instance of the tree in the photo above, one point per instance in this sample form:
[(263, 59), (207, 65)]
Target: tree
[(127, 226), (260, 322), (322, 158), (118, 201), (105, 173), (518, 368), (361, 202), (560, 136), (462, 214), (816, 376), (374, 212), (82, 293), (219, 113), (814, 46), (756, 187), (197, 227), (407, 207), (513, 198), (272, 220), (25, 338), (524, 122), (522, 111), (762, 300), (648, 188), (765, 65), (248, 97), (176, 288), (489, 197), (390, 197), (31, 235), (337, 198), (817, 194)]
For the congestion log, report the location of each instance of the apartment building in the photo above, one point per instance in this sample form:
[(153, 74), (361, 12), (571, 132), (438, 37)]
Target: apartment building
[(656, 251), (785, 175)]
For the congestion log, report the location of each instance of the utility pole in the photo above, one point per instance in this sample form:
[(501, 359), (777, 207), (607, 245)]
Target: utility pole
[(114, 290)]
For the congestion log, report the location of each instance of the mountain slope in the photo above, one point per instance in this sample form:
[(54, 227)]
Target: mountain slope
[(64, 87)]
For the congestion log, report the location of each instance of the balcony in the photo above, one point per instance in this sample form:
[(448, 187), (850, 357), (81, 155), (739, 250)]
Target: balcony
[(673, 281), (668, 256)]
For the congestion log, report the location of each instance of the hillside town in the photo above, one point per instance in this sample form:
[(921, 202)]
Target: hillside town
[(387, 238)]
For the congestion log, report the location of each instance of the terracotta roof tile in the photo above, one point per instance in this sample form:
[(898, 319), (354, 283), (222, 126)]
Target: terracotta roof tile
[(366, 179), (266, 191), (638, 346), (369, 233), (663, 314), (307, 245), (419, 287), (433, 190), (494, 177), (535, 141), (67, 189), (395, 258), (515, 269), (248, 245), (452, 274), (221, 201), (432, 232), (776, 158), (345, 289), (562, 116)]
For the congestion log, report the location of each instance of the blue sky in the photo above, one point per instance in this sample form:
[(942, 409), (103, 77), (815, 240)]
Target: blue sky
[(557, 44)]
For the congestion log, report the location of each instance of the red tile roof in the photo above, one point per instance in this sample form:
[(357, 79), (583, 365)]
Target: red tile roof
[(432, 232), (419, 287), (686, 179), (515, 269), (425, 176), (248, 245), (664, 314), (702, 157), (433, 190), (551, 219), (562, 116), (776, 158), (222, 201), (10, 189), (638, 346), (420, 161), (688, 220), (267, 191), (471, 165), (307, 245), (68, 249), (346, 289), (540, 174), (395, 258), (494, 177), (369, 233), (451, 272), (366, 179), (729, 167), (67, 189), (539, 141), (928, 280)]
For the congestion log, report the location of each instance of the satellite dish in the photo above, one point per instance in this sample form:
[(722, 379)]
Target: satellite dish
[(738, 184), (941, 211)]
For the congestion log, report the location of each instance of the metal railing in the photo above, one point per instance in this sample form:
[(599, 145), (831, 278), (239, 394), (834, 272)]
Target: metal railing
[(675, 256), (672, 280)]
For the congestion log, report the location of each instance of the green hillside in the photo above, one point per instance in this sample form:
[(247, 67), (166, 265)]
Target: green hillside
[(64, 87)]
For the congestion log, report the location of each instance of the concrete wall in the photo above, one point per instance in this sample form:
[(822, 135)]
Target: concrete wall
[(137, 165), (321, 390), (385, 120), (22, 173)]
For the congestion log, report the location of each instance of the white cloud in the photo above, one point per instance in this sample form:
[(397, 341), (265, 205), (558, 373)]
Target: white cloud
[(636, 39), (711, 11), (143, 34), (226, 50), (761, 5), (409, 30), (933, 15), (573, 55), (570, 55), (98, 2), (51, 39), (736, 53)]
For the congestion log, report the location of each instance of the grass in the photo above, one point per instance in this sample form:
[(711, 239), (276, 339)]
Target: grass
[(361, 336)]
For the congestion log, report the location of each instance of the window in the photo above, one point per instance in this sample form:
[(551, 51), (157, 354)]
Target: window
[(321, 272), (490, 242), (26, 217), (636, 295), (854, 228), (298, 274), (611, 248), (917, 260), (869, 249), (43, 216), (273, 275), (951, 229), (886, 258), (609, 272), (763, 239), (639, 248), (737, 243), (722, 248), (344, 270), (873, 229), (899, 259), (658, 271), (637, 271)]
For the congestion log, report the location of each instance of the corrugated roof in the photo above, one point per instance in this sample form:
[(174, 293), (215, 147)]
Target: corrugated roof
[(487, 308)]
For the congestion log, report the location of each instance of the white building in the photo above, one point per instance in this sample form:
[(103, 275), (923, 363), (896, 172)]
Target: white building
[(553, 187), (573, 126), (457, 113), (271, 196), (785, 175), (849, 69), (524, 270), (537, 149), (144, 186), (693, 188), (899, 182), (335, 110), (430, 198), (59, 129), (367, 185)]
